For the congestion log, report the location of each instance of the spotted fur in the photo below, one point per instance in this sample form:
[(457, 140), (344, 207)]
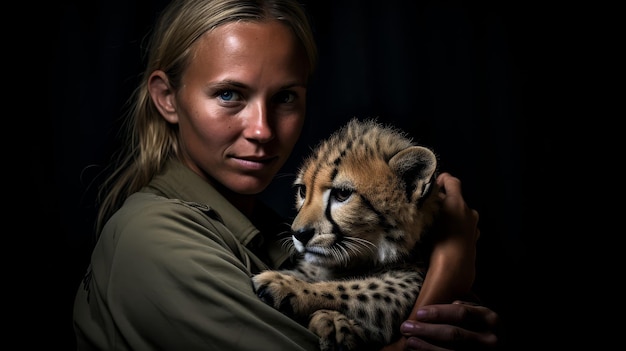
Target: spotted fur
[(365, 197)]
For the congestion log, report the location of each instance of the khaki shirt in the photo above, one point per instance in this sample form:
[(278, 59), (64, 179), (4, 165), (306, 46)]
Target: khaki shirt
[(171, 271)]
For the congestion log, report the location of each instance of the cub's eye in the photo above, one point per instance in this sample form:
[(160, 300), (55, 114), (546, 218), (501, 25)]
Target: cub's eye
[(301, 191), (341, 194)]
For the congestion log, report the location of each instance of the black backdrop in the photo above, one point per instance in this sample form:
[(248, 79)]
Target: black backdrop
[(464, 78)]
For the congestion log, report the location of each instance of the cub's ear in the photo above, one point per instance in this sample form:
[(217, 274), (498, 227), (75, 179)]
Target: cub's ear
[(416, 166)]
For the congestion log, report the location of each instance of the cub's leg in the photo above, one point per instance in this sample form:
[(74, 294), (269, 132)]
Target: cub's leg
[(336, 331), (378, 303), (289, 294)]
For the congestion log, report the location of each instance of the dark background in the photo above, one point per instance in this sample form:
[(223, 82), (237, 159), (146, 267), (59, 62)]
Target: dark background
[(480, 82)]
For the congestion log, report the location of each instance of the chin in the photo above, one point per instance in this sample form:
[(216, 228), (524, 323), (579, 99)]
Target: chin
[(252, 186)]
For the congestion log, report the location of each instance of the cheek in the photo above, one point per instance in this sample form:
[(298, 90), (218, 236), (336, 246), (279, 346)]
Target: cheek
[(289, 129), (204, 136)]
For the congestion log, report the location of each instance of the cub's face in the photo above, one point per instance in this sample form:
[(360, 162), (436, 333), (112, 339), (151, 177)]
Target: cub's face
[(363, 202)]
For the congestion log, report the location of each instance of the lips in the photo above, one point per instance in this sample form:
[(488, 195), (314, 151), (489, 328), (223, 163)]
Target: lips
[(260, 159), (255, 162)]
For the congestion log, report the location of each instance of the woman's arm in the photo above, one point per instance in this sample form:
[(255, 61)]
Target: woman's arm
[(452, 264), (450, 275)]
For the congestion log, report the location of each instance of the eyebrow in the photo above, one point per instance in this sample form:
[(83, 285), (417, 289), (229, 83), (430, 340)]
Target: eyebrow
[(227, 83), (223, 84)]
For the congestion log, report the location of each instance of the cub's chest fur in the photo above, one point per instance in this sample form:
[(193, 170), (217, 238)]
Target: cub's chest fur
[(365, 199)]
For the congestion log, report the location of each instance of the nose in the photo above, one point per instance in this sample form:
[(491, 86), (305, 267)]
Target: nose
[(304, 235), (258, 126)]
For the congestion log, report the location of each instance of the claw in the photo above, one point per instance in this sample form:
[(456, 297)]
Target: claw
[(264, 295), (285, 305)]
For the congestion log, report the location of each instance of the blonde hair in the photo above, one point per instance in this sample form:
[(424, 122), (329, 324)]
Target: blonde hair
[(150, 140)]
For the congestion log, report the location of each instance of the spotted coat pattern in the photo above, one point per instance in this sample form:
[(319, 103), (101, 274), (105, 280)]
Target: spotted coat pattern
[(365, 199)]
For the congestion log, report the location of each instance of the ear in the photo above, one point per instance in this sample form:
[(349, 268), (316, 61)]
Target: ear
[(162, 96), (416, 166)]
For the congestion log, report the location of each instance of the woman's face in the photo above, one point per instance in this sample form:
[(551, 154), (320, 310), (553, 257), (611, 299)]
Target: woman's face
[(241, 104)]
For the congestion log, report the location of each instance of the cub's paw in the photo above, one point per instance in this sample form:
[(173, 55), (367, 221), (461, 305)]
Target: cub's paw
[(279, 290), (336, 331)]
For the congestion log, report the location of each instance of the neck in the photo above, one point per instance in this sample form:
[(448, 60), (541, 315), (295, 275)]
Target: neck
[(244, 203)]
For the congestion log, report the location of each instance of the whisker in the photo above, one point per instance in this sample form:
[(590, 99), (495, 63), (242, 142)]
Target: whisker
[(357, 243), (342, 254), (287, 244), (285, 175)]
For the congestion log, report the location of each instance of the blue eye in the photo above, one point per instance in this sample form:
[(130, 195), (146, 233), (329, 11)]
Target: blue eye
[(229, 95)]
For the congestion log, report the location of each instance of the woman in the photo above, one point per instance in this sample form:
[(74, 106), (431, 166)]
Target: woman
[(216, 115)]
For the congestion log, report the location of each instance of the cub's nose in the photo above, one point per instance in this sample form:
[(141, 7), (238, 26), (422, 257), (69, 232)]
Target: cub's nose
[(303, 235)]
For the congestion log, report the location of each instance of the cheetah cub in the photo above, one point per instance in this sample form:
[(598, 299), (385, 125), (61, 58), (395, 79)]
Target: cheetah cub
[(365, 198)]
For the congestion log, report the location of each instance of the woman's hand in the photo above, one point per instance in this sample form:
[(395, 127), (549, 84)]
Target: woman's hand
[(456, 326), (452, 326)]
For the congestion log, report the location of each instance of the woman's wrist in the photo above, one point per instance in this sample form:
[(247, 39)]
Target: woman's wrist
[(451, 272)]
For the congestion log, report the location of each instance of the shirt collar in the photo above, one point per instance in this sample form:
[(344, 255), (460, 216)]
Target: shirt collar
[(177, 181)]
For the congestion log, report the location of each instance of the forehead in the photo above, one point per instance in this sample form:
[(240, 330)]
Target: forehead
[(259, 48), (233, 34)]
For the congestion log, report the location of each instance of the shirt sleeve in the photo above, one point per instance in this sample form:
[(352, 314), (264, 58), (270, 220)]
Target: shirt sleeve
[(167, 281)]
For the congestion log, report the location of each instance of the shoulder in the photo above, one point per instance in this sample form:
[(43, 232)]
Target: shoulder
[(153, 237), (151, 211), (149, 224)]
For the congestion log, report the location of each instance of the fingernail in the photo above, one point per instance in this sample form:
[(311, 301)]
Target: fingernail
[(421, 313), (414, 344), (408, 327)]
